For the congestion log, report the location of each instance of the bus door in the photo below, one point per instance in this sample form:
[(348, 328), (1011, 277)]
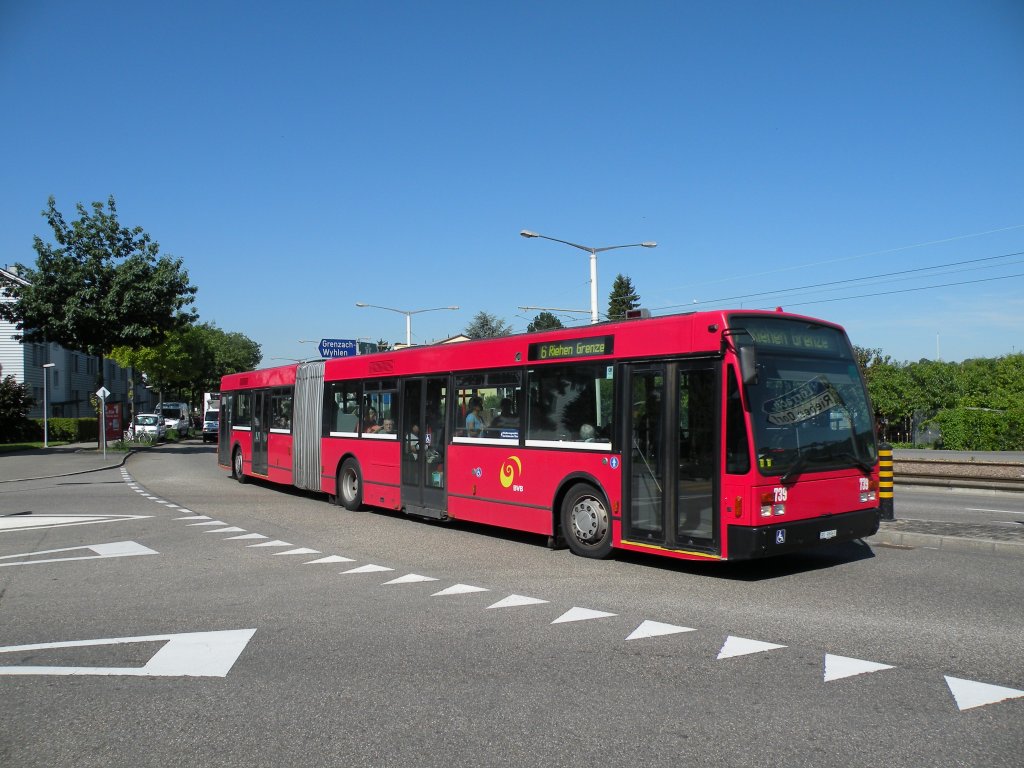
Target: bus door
[(424, 445), (224, 430), (672, 433), (260, 430)]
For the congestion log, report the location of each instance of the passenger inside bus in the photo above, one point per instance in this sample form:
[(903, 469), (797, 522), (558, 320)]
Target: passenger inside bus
[(412, 442), (474, 421), (370, 422)]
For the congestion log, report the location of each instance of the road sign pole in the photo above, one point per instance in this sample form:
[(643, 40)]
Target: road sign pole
[(102, 393)]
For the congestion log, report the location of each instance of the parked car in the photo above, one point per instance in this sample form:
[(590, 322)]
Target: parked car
[(211, 426), (176, 417), (149, 424)]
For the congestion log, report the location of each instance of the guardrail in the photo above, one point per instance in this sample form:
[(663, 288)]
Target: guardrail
[(947, 473)]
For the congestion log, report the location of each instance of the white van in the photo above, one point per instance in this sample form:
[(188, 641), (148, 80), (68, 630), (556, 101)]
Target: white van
[(176, 417)]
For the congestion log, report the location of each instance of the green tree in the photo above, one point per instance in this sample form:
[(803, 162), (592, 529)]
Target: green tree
[(193, 359), (15, 403), (102, 285), (622, 298), (486, 326), (545, 321), (383, 346)]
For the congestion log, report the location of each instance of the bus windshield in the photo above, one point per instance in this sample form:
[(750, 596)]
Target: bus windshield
[(809, 409)]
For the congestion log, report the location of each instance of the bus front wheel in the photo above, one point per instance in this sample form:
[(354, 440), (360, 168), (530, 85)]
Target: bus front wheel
[(237, 469), (586, 524), (350, 485)]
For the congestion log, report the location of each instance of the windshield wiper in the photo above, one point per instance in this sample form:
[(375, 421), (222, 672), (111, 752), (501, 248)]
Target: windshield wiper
[(795, 470)]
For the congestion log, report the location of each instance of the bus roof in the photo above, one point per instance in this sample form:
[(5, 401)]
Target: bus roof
[(687, 333)]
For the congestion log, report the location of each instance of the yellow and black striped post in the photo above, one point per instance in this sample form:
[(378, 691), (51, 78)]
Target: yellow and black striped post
[(885, 482)]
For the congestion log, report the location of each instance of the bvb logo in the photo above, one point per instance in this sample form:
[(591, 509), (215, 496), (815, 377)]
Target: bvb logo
[(512, 467)]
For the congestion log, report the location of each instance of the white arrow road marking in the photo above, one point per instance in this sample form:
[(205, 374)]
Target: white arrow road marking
[(741, 646), (300, 551), (581, 614), (248, 536), (328, 559), (193, 517), (229, 529), (274, 543), (208, 522), (369, 569), (838, 667), (459, 589), (412, 578), (514, 601), (656, 628), (114, 549), (37, 522), (190, 654), (970, 694)]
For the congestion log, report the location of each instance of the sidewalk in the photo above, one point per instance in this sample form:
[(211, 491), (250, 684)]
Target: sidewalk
[(57, 461), (952, 537)]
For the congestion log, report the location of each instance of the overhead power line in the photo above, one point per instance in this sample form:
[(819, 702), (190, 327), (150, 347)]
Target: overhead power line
[(834, 283)]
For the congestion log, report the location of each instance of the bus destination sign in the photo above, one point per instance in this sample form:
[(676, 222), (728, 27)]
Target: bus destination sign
[(592, 346), (794, 336)]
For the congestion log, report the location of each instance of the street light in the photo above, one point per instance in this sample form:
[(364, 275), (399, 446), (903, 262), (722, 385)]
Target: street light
[(593, 262), (408, 316), (46, 430)]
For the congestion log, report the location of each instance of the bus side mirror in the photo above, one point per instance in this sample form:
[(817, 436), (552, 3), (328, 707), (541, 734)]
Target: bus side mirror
[(748, 364)]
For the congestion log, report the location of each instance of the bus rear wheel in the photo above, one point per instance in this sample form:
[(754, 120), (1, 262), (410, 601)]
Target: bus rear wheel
[(586, 524), (350, 485), (237, 468)]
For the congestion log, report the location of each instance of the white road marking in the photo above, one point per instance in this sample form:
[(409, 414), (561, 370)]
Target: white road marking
[(37, 522), (459, 589), (247, 536), (970, 694), (514, 601), (581, 614), (369, 569), (655, 629), (741, 646), (229, 529), (300, 551), (328, 559), (274, 543), (189, 654), (209, 522), (411, 578), (838, 667), (100, 551)]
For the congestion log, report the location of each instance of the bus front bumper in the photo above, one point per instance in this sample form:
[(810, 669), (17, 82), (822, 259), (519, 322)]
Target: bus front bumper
[(781, 538)]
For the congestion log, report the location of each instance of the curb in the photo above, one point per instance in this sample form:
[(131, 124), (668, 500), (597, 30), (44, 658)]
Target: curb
[(909, 540)]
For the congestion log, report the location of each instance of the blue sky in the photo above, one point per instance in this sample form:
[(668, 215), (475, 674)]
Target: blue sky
[(301, 157)]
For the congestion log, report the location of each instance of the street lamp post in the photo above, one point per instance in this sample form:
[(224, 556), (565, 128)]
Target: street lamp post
[(593, 262), (46, 426), (408, 316)]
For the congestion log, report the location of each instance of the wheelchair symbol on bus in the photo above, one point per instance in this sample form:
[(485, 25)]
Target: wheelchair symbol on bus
[(780, 537)]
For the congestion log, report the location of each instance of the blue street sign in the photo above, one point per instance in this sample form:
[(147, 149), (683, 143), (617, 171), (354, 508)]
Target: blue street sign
[(337, 347)]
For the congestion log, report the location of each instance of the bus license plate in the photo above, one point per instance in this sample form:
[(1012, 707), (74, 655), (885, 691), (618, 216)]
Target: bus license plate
[(826, 535)]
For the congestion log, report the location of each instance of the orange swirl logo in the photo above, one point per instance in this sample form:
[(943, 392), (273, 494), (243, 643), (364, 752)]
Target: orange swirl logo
[(512, 467)]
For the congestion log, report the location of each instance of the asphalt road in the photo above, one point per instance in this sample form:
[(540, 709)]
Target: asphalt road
[(851, 655)]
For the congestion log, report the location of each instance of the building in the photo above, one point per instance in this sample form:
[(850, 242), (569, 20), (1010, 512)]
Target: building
[(71, 380)]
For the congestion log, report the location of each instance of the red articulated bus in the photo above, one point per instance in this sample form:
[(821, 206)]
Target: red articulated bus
[(718, 435)]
